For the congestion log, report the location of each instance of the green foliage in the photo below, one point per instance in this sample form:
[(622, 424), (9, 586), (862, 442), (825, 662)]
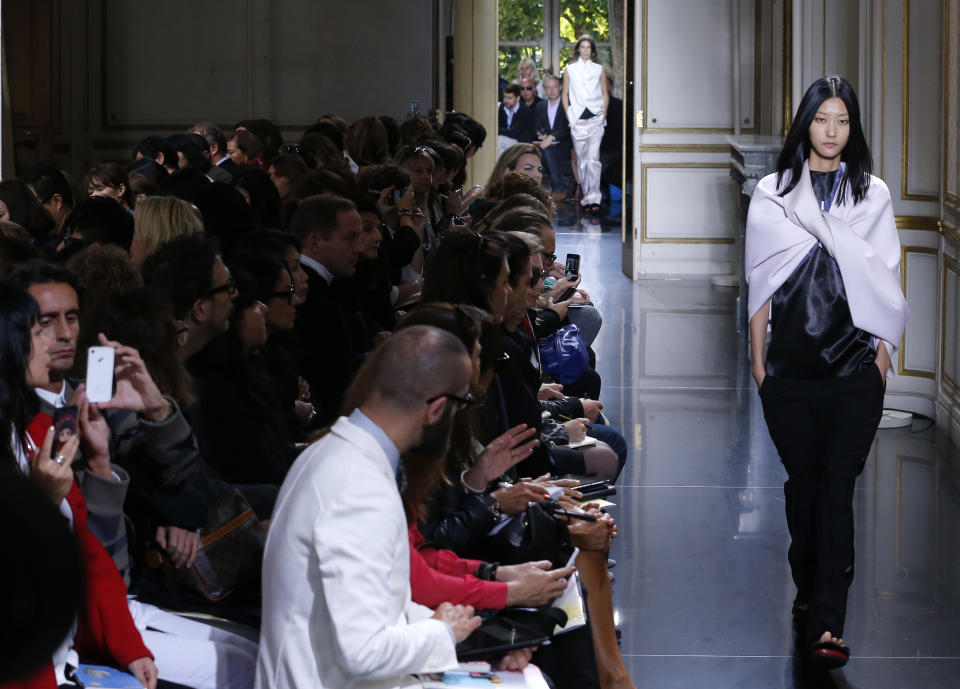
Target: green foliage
[(522, 20)]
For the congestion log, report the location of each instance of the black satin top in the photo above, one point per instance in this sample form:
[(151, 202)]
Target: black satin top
[(813, 335)]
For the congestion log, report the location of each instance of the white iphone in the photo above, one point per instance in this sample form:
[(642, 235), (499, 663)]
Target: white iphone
[(99, 374)]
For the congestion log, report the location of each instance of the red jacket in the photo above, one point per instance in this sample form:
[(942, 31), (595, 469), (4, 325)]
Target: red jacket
[(105, 629), (439, 576)]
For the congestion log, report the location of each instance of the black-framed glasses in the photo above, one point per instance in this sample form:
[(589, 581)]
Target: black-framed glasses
[(526, 88), (286, 294), (467, 400), (552, 257), (229, 287)]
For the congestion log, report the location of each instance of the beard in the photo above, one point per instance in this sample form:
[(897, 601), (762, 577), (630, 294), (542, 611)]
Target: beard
[(433, 445), (424, 463)]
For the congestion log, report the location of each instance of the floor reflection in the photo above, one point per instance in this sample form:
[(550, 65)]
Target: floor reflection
[(703, 587)]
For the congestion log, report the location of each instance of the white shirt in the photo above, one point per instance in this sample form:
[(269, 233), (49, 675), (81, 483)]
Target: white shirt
[(583, 88), (552, 107), (318, 267), (55, 400), (510, 113), (336, 576)]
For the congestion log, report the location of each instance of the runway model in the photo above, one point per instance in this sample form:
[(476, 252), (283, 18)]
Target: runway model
[(585, 100), (823, 264)]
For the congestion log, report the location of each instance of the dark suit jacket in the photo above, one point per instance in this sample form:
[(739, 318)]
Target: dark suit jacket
[(521, 127), (560, 128), (331, 344), (229, 166)]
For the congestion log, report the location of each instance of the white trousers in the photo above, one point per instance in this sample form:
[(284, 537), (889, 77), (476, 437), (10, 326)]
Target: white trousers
[(194, 654), (586, 135)]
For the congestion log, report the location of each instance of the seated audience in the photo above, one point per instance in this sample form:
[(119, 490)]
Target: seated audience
[(19, 205), (286, 171), (246, 430), (159, 219), (98, 220), (110, 180), (53, 190), (104, 629), (102, 270), (336, 599), (330, 333)]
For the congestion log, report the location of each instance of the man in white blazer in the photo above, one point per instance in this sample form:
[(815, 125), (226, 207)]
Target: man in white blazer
[(336, 574)]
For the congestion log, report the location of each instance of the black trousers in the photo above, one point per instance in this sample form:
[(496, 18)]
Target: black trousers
[(823, 429)]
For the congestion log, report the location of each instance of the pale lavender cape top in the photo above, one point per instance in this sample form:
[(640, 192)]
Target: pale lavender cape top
[(862, 238)]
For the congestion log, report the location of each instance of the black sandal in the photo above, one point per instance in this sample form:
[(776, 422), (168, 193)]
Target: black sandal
[(830, 655)]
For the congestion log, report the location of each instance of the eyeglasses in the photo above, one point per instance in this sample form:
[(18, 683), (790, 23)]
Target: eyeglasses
[(467, 400), (229, 287), (552, 257), (526, 88), (536, 276), (286, 294)]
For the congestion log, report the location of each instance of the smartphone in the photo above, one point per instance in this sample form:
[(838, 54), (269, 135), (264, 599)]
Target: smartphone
[(592, 487), (397, 193), (64, 428), (573, 264), (99, 374)]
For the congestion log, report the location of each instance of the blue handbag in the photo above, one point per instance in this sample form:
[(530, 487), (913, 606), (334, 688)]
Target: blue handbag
[(564, 355)]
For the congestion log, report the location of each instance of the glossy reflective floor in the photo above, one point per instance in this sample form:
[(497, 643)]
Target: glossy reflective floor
[(703, 588)]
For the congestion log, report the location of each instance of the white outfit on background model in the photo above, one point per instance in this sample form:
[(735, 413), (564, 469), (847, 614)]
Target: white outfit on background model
[(336, 573), (585, 93)]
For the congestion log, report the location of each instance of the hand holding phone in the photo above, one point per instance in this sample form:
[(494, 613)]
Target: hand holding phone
[(100, 374)]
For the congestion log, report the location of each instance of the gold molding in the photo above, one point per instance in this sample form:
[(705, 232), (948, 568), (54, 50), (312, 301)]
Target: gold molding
[(918, 222), (950, 232), (949, 265), (786, 67), (949, 199), (684, 148), (646, 129), (901, 368), (643, 205), (905, 117)]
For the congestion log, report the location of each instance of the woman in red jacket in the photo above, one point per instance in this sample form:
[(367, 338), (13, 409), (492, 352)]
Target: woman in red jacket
[(104, 631)]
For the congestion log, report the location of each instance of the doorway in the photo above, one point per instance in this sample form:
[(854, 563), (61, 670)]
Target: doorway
[(546, 32)]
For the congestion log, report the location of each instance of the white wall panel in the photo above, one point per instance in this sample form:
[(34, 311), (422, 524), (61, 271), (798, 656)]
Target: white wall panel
[(919, 352), (922, 94), (684, 201), (951, 140), (951, 325), (689, 64)]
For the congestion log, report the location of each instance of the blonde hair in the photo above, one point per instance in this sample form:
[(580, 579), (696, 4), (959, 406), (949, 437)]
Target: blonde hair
[(158, 219), (509, 158)]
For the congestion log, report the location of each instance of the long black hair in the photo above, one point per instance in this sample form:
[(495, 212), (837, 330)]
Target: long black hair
[(18, 403), (856, 154)]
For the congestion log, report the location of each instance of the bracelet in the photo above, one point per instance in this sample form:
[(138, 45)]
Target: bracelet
[(487, 571), (405, 212), (466, 485)]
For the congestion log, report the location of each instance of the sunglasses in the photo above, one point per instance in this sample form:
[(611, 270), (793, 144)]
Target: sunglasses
[(462, 402), (536, 276), (526, 88)]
